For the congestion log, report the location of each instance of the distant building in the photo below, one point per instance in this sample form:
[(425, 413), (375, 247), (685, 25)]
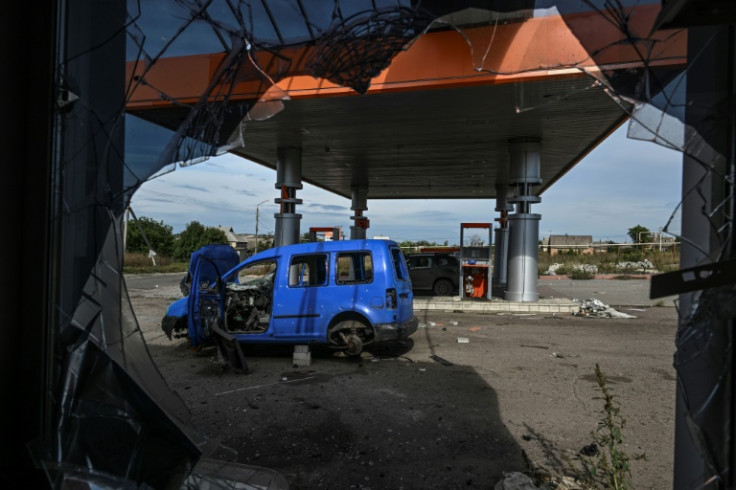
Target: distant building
[(582, 244), (243, 243), (325, 233), (662, 242)]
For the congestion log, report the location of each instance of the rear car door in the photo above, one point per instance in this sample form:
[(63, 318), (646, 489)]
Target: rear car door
[(421, 271), (404, 296), (300, 300)]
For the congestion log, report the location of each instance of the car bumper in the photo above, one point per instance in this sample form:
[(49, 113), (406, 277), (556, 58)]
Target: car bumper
[(394, 331)]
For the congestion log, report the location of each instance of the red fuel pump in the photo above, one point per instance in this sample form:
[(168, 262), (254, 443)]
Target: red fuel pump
[(475, 264)]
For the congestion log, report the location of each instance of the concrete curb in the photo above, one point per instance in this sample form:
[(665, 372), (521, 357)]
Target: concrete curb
[(454, 304)]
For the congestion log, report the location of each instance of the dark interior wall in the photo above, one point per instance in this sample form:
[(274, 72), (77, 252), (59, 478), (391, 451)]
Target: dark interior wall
[(25, 199)]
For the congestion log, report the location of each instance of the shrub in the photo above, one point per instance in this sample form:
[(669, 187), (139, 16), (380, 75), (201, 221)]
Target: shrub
[(581, 274), (136, 263)]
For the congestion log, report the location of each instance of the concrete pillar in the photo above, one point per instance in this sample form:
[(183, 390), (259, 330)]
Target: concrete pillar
[(501, 237), (523, 235), (288, 180), (705, 407), (360, 199)]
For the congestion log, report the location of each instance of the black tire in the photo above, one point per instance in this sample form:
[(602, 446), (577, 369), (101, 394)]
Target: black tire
[(443, 287)]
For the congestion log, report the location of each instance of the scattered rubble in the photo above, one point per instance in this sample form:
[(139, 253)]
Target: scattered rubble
[(596, 308), (589, 268), (640, 266), (643, 267), (552, 270), (515, 481)]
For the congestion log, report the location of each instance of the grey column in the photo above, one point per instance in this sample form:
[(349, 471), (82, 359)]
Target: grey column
[(501, 237), (288, 180), (705, 410), (523, 237), (360, 199)]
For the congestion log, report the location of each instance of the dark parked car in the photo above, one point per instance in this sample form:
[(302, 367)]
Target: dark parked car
[(436, 272)]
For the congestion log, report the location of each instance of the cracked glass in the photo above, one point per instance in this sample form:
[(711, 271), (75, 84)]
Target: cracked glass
[(191, 78)]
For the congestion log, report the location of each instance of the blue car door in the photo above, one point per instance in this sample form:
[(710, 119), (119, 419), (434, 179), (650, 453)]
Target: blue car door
[(299, 302), (206, 299)]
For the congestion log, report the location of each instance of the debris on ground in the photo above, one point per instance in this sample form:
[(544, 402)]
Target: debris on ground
[(560, 355), (441, 360), (474, 329), (552, 270), (643, 266), (590, 450), (587, 268), (515, 481), (463, 340), (596, 308)]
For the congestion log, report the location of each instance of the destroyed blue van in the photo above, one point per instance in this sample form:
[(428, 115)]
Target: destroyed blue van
[(342, 294)]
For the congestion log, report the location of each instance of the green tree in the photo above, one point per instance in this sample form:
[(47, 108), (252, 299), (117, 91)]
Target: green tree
[(159, 234), (195, 236), (265, 242), (475, 241), (640, 234)]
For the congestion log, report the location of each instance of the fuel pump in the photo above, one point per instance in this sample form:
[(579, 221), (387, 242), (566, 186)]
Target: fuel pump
[(475, 264)]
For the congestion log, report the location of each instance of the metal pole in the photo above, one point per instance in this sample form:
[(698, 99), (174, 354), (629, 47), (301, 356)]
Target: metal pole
[(288, 181), (125, 228), (257, 221)]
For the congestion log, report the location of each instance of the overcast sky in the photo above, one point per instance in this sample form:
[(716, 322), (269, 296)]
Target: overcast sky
[(620, 184)]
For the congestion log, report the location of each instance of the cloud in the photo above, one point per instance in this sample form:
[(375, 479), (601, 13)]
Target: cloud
[(194, 188), (328, 207), (618, 185)]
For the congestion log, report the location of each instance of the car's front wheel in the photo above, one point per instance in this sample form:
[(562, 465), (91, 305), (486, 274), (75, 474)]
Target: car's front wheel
[(442, 287)]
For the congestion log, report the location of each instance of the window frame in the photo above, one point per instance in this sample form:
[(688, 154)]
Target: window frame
[(352, 254), (293, 261)]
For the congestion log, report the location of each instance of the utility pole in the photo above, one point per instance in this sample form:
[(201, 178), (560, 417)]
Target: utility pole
[(257, 220), (125, 227)]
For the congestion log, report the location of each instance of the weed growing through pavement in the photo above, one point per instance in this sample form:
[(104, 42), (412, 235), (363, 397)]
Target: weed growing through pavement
[(603, 464), (608, 464)]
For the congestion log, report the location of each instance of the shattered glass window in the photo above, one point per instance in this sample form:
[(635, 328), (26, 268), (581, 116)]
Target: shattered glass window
[(145, 87)]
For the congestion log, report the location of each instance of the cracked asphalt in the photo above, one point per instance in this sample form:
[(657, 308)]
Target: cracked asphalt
[(398, 418)]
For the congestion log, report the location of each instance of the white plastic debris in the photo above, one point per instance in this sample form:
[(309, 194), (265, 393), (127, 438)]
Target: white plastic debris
[(463, 340), (596, 308)]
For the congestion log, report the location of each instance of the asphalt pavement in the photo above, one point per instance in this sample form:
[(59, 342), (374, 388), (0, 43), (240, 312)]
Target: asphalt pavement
[(613, 292)]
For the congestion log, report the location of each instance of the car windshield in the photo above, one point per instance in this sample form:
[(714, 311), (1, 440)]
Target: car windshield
[(255, 274)]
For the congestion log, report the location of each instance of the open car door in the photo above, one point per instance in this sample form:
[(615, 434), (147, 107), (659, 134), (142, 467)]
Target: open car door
[(206, 310), (206, 299)]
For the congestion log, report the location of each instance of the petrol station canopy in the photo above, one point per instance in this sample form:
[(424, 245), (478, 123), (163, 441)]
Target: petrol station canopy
[(429, 110)]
